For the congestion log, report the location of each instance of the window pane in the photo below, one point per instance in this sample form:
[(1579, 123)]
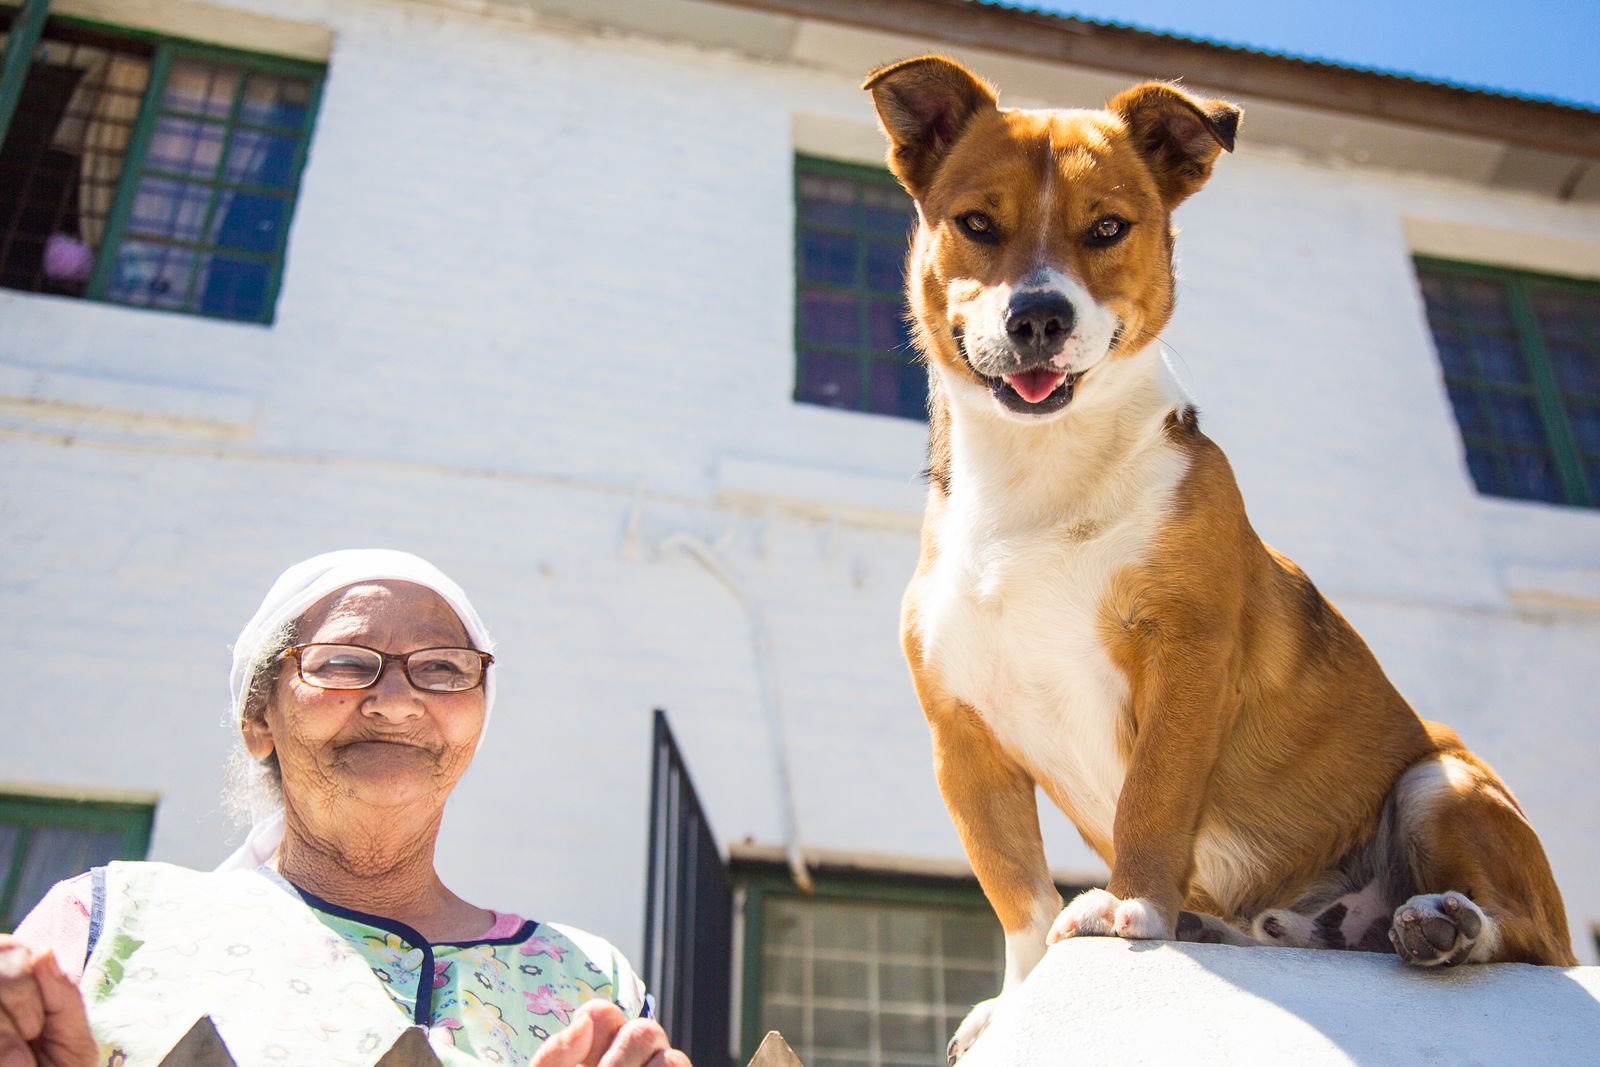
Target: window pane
[(1485, 470), (972, 936), (964, 987), (186, 146), (1499, 359), (898, 388), (842, 1029), (887, 329), (784, 973), (827, 258), (841, 978), (1533, 475), (1469, 412), (247, 221), (1577, 369), (1566, 316), (201, 89), (1585, 422), (151, 275), (886, 209), (829, 319), (272, 101), (886, 262), (831, 380), (236, 288), (1436, 297), (1517, 420), (911, 1031), (1482, 303), (166, 208), (55, 853), (841, 927), (908, 983), (827, 201), (257, 158)]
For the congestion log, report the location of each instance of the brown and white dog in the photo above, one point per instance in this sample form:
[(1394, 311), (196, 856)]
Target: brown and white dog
[(1092, 612)]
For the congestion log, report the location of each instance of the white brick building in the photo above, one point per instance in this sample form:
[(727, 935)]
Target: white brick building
[(537, 317)]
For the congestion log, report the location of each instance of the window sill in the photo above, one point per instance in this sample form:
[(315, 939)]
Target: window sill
[(821, 492), (1548, 556), (55, 399)]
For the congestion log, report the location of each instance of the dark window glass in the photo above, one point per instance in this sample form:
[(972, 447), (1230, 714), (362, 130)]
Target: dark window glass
[(1521, 360), (853, 344)]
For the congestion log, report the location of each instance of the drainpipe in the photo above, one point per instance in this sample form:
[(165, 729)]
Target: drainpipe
[(769, 697)]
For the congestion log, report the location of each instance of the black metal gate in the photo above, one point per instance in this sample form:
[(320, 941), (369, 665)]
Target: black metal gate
[(688, 916)]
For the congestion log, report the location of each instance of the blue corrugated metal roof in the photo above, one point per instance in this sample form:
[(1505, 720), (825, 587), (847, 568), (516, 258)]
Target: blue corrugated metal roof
[(1240, 47)]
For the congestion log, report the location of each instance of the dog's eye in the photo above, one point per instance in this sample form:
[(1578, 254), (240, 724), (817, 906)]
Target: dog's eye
[(977, 225), (1108, 231)]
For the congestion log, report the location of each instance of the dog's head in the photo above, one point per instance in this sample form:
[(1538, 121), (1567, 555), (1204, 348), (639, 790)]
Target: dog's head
[(1044, 247)]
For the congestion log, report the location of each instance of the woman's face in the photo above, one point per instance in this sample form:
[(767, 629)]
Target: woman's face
[(350, 753)]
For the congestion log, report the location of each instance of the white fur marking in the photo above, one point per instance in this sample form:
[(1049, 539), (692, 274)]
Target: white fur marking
[(1095, 912), (1039, 519)]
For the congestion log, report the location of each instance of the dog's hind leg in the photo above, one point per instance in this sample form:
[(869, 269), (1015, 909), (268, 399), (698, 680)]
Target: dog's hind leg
[(1486, 891), (1201, 928)]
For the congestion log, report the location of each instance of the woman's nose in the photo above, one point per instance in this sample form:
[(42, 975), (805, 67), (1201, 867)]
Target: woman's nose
[(392, 696)]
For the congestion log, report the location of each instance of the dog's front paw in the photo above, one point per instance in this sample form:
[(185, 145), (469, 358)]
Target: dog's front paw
[(1441, 930), (1096, 913), (971, 1028)]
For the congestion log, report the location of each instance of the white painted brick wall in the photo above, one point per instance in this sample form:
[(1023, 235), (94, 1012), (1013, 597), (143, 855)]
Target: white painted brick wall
[(539, 288)]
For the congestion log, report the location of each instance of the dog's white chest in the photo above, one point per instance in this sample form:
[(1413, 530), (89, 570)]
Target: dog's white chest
[(1014, 623)]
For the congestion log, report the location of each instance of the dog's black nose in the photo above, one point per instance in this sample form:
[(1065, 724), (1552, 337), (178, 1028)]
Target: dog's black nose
[(1038, 322)]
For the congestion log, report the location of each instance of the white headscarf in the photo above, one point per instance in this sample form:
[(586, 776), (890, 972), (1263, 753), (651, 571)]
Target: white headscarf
[(291, 596)]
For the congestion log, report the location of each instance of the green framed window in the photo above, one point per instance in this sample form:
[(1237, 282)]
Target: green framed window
[(1520, 354), (45, 839), (142, 170), (852, 342), (864, 973)]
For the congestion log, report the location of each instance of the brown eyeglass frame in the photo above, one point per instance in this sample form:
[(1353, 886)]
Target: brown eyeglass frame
[(384, 659)]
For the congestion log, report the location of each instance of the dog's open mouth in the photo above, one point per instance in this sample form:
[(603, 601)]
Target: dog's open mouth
[(1039, 391), (1035, 391)]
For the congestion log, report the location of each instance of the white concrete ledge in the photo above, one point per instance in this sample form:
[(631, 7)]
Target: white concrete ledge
[(1106, 1001)]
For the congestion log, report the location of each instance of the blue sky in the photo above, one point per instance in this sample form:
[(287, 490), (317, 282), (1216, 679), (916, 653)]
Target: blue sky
[(1537, 47)]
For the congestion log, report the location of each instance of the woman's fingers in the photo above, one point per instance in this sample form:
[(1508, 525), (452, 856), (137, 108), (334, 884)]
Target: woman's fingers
[(66, 1040), (608, 1020), (670, 1058), (636, 1045), (21, 1006), (569, 1048)]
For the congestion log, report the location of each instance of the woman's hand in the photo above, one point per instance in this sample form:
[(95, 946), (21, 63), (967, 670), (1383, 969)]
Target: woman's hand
[(42, 1021), (601, 1036)]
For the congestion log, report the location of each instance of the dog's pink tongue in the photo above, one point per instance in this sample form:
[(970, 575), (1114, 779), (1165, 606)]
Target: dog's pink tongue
[(1034, 385)]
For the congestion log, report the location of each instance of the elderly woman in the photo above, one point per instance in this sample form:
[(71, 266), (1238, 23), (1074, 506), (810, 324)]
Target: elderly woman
[(361, 689)]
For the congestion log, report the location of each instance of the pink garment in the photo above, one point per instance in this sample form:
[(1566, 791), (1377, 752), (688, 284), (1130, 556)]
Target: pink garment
[(60, 922)]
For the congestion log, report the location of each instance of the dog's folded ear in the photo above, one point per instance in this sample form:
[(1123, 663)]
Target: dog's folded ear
[(1178, 134), (923, 105)]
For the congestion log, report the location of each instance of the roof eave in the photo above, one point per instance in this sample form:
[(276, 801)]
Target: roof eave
[(1528, 123)]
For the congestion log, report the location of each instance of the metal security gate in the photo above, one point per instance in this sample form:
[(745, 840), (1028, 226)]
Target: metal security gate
[(688, 918)]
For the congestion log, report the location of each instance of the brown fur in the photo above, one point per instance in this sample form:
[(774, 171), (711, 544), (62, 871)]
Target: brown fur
[(1255, 709)]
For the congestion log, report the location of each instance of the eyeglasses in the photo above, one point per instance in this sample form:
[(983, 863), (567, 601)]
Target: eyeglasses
[(434, 670)]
